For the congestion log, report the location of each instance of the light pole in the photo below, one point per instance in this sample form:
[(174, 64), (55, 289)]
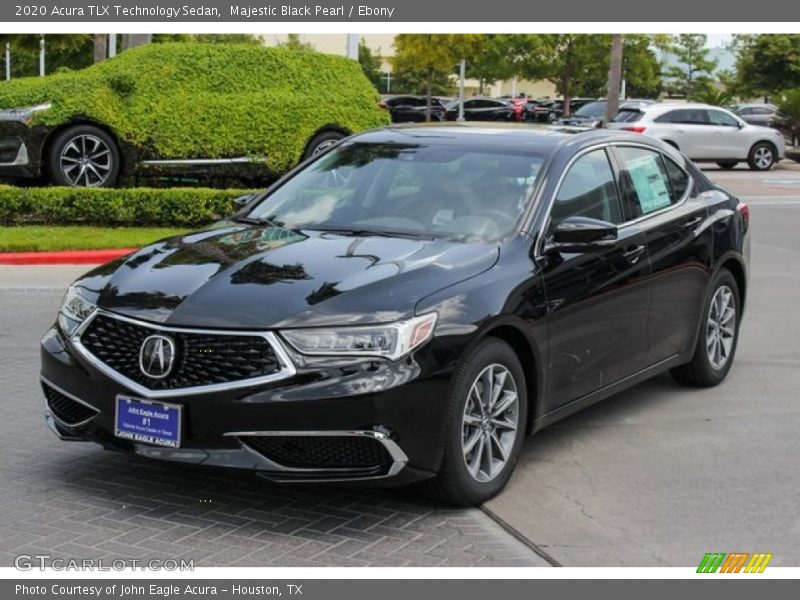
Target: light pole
[(462, 70), (352, 46), (8, 61), (112, 44), (41, 56)]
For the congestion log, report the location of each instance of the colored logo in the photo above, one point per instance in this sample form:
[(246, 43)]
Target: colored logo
[(735, 562)]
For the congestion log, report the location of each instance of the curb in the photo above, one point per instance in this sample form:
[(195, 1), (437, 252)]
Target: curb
[(65, 257)]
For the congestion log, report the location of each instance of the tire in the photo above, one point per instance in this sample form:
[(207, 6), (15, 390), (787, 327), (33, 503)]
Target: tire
[(321, 142), (701, 371), (454, 484), (762, 157), (727, 164), (83, 156)]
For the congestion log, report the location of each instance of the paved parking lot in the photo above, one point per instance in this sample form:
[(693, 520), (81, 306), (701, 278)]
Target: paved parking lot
[(657, 476)]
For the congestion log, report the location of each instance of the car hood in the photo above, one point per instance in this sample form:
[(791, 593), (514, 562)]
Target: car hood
[(263, 277)]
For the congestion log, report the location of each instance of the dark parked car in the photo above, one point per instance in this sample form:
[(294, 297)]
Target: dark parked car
[(482, 109), (549, 111), (757, 114), (407, 307), (413, 109)]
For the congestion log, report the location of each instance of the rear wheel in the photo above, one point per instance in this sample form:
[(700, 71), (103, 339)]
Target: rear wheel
[(719, 334), (321, 142), (762, 157), (484, 427), (83, 156), (727, 164)]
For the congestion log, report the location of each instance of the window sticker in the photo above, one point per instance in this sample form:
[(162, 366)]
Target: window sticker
[(651, 188)]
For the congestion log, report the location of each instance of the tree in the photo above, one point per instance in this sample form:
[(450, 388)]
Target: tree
[(713, 96), (293, 42), (226, 38), (693, 71), (131, 40), (100, 49), (432, 56), (72, 51), (788, 104), (641, 68), (766, 64), (614, 76), (370, 64), (574, 63), (492, 60)]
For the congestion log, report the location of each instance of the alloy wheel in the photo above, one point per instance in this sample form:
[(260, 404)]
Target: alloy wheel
[(490, 422), (86, 161), (762, 156), (721, 327)]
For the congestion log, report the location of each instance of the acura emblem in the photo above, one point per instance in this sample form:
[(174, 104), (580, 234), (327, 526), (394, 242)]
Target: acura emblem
[(156, 356)]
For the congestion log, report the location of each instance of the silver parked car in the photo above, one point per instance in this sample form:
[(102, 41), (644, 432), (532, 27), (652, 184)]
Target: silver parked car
[(757, 114), (706, 134)]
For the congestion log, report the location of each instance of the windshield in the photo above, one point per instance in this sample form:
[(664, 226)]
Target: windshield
[(593, 109), (411, 189)]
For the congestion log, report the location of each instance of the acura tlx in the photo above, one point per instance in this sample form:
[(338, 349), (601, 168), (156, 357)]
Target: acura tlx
[(407, 306)]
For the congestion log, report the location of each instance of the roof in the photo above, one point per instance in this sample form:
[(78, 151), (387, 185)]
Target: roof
[(512, 136)]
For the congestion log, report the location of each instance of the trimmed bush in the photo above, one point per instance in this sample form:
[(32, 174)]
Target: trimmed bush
[(191, 100), (179, 207)]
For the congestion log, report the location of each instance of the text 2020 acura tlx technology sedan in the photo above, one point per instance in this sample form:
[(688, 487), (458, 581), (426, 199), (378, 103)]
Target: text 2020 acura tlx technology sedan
[(407, 306)]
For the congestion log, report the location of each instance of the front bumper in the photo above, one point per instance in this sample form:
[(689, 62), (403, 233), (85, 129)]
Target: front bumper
[(392, 411)]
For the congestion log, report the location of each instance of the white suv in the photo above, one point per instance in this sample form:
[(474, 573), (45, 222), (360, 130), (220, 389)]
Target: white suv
[(705, 134)]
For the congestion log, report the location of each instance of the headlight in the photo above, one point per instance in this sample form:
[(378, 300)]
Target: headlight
[(392, 341), (75, 309), (23, 115)]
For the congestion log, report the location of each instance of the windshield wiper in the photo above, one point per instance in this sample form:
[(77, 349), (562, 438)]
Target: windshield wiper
[(359, 231), (260, 221)]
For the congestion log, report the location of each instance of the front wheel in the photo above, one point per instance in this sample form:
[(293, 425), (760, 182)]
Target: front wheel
[(484, 427), (83, 156), (762, 157), (719, 334), (321, 142)]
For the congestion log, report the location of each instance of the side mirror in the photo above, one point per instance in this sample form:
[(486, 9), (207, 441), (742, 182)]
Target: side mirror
[(582, 234)]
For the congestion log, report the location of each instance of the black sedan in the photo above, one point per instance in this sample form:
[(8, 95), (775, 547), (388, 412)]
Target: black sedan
[(414, 109), (482, 109), (407, 307)]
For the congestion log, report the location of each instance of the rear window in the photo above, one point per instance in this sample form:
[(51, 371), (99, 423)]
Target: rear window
[(593, 109), (627, 116)]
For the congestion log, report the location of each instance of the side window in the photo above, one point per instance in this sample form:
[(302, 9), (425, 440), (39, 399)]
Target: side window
[(666, 117), (645, 180), (472, 104), (717, 117), (678, 179), (588, 190), (747, 111)]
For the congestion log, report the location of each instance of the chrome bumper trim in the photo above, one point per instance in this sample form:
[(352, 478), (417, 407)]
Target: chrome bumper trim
[(71, 397), (399, 458)]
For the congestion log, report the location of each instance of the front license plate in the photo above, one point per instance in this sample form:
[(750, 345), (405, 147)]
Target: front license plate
[(147, 421)]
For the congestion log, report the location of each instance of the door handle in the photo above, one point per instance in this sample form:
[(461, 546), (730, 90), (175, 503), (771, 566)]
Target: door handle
[(633, 253), (694, 221)]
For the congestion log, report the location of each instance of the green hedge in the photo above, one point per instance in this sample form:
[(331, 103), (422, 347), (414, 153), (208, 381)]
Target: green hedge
[(191, 100), (178, 207)]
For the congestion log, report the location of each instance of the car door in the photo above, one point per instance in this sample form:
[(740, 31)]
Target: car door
[(726, 138), (691, 129), (597, 301), (659, 196)]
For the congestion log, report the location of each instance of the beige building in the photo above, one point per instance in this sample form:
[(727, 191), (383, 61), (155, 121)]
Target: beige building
[(382, 45)]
